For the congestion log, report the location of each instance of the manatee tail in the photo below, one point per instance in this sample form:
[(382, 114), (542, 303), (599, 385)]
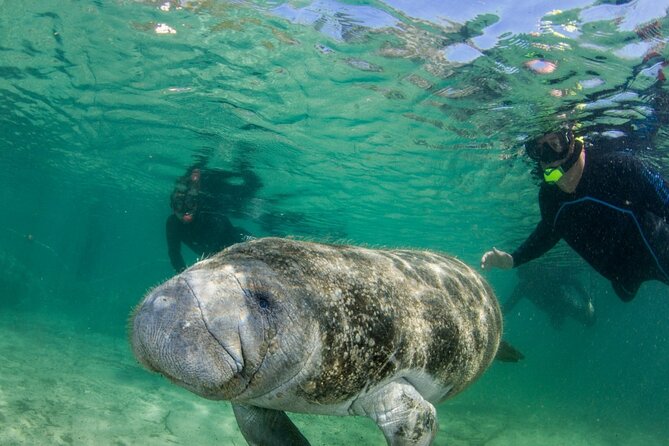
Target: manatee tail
[(508, 353)]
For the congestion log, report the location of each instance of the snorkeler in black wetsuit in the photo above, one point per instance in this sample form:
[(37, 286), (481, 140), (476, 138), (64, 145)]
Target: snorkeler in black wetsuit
[(610, 208), (197, 219)]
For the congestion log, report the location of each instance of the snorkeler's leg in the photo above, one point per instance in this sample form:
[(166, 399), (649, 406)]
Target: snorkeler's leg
[(515, 297), (524, 289), (557, 319), (626, 291), (582, 310)]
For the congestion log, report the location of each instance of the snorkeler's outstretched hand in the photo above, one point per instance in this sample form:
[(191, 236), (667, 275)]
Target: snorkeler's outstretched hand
[(496, 259)]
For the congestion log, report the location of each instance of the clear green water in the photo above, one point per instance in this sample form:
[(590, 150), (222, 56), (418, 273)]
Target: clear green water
[(382, 141)]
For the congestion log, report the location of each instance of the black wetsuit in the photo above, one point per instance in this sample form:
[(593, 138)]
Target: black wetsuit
[(208, 233), (219, 193), (616, 219)]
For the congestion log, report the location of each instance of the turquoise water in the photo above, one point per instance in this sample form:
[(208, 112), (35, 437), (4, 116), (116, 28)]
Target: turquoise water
[(395, 124)]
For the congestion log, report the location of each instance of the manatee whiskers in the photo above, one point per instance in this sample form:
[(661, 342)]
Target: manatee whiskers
[(238, 359)]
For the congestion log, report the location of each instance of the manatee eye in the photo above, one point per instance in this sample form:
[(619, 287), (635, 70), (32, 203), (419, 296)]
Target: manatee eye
[(261, 297)]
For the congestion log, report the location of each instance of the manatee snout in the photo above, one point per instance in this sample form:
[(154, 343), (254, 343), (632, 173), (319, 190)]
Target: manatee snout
[(170, 334)]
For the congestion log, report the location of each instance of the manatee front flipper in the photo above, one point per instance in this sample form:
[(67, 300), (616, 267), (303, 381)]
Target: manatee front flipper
[(401, 413), (267, 427), (508, 353)]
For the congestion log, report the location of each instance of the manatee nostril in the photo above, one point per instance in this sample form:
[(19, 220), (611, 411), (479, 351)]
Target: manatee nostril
[(153, 321), (161, 301)]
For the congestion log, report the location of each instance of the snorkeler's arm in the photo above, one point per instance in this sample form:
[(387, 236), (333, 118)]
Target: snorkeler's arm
[(174, 244), (496, 258), (537, 244)]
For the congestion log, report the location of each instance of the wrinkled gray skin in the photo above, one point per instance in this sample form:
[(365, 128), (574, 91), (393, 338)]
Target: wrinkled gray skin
[(278, 325)]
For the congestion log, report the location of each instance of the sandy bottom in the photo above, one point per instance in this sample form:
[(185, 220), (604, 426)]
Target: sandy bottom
[(61, 384)]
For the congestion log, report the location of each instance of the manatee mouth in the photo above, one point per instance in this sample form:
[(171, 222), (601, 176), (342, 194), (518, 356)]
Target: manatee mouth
[(236, 359), (171, 336)]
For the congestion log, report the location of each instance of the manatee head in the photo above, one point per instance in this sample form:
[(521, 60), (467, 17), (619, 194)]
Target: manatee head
[(210, 328)]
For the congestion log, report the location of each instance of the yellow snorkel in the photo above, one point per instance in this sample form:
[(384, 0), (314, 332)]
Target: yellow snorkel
[(553, 174)]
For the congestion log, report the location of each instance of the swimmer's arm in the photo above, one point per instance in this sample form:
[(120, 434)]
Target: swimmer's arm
[(537, 244), (496, 258), (174, 244)]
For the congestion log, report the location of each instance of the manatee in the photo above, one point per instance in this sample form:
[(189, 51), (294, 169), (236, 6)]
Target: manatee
[(279, 325)]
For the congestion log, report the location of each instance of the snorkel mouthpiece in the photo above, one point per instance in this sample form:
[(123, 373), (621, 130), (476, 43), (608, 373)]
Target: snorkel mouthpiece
[(184, 199), (553, 174), (195, 176)]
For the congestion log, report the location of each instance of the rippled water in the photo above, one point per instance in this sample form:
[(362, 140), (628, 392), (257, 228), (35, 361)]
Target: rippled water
[(396, 123)]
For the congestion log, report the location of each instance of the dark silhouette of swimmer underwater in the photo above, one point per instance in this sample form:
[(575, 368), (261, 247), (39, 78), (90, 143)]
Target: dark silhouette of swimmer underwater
[(198, 201), (610, 207), (555, 290)]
